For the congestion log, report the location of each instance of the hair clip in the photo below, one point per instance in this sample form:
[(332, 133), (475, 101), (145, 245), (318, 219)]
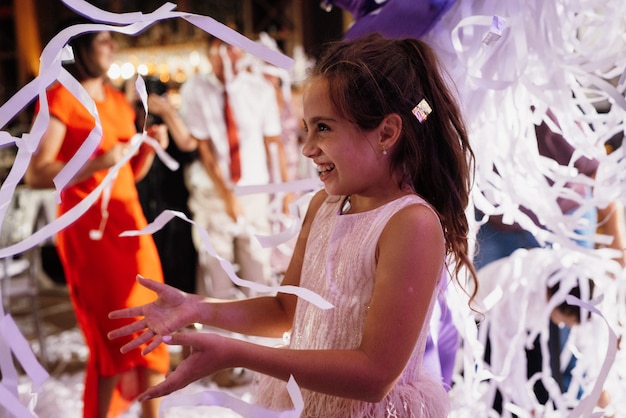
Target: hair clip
[(422, 110)]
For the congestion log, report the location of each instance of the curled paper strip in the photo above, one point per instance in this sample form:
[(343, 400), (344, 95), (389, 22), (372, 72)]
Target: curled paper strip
[(167, 215), (170, 162), (586, 406), (13, 342), (495, 31), (513, 299), (305, 185), (50, 71), (246, 410), (11, 404)]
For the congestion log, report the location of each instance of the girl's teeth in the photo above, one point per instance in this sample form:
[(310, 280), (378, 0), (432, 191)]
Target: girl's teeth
[(325, 167)]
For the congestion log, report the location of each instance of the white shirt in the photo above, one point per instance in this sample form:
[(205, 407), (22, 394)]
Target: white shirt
[(253, 103)]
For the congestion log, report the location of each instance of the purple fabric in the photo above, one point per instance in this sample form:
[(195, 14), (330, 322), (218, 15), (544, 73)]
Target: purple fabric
[(440, 355), (447, 343), (393, 18), (357, 8)]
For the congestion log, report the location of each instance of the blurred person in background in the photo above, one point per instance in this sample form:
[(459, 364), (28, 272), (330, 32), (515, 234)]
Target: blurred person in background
[(233, 115), (100, 266), (164, 189)]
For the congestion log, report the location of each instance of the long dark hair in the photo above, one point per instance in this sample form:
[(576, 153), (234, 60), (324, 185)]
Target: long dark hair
[(372, 77), (83, 67)]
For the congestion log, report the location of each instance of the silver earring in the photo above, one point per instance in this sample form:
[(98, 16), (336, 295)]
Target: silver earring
[(384, 151)]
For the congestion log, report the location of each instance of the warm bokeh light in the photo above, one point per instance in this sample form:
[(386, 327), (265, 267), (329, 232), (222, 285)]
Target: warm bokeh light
[(114, 72), (127, 70), (142, 69), (194, 58)]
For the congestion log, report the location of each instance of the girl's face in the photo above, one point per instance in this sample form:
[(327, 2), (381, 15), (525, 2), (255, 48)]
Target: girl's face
[(349, 160), (103, 50)]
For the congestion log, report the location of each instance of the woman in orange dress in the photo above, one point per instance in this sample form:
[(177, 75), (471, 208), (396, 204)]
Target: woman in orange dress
[(100, 268)]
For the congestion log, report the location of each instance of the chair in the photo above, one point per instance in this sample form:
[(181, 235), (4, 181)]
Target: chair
[(19, 273)]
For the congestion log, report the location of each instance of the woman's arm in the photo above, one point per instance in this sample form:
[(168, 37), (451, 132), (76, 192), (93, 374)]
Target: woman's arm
[(44, 165), (275, 141), (162, 107), (142, 161), (411, 254)]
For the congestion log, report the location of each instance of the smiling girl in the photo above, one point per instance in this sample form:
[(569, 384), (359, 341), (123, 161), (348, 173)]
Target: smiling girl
[(391, 149)]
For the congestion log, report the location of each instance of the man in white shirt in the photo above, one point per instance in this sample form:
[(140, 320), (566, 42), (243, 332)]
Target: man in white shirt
[(230, 220)]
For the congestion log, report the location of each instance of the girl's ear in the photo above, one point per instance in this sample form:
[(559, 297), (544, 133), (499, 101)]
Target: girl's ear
[(390, 129)]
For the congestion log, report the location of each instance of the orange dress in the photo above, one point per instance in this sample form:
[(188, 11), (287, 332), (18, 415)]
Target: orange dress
[(101, 273)]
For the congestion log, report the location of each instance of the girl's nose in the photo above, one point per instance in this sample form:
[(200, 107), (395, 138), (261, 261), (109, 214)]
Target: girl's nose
[(309, 149)]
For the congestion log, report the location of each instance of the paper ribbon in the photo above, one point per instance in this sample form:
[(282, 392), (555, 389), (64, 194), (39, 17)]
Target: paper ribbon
[(246, 410), (587, 405), (551, 55), (50, 71), (167, 215)]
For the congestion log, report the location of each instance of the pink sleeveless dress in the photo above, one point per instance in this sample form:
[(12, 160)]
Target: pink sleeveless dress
[(339, 265)]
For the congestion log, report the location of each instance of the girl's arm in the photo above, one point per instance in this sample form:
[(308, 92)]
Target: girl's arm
[(268, 316), (410, 260), (264, 316)]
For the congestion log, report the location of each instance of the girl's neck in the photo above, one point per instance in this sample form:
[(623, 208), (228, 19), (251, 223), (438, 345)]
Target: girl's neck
[(359, 203)]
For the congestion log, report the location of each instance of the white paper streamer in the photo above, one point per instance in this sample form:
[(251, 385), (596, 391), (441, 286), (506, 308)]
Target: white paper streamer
[(50, 71), (12, 403), (564, 56), (586, 406), (167, 215), (246, 410), (510, 288), (13, 342), (556, 55)]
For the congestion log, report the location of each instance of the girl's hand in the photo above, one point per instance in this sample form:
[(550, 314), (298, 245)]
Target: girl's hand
[(210, 353), (172, 310)]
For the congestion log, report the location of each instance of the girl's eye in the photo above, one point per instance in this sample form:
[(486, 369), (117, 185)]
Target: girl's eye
[(321, 127)]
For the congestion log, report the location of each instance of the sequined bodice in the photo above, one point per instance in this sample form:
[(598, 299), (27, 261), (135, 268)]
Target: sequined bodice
[(340, 266)]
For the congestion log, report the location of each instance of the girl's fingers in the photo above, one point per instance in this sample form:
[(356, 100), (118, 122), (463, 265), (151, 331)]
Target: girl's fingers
[(170, 384), (182, 338), (137, 342), (153, 344), (148, 283), (126, 313), (127, 329)]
